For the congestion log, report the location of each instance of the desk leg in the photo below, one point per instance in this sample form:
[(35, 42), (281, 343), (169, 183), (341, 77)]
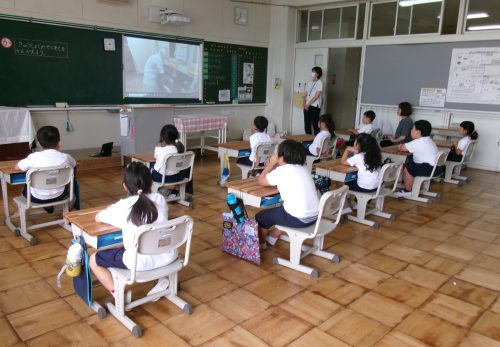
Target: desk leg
[(202, 143), (5, 198), (221, 152)]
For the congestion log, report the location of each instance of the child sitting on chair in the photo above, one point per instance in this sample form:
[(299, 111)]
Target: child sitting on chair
[(423, 151), (50, 140), (469, 134), (259, 135), (365, 128), (169, 144), (368, 159), (327, 130), (139, 208), (286, 170)]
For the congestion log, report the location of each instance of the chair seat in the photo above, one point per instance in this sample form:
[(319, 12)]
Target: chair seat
[(150, 275), (22, 201), (325, 226)]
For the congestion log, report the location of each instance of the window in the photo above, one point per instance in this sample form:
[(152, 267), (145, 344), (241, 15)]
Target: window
[(361, 21), (331, 24), (383, 19), (303, 17), (450, 17), (315, 22), (483, 15), (425, 18), (348, 23)]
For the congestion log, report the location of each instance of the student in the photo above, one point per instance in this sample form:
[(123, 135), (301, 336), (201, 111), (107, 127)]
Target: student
[(365, 128), (259, 135), (469, 134), (368, 159), (423, 151), (50, 140), (139, 208), (327, 130), (286, 170), (168, 144), (403, 131), (312, 107)]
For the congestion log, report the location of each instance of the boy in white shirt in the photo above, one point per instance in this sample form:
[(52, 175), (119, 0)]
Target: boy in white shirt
[(365, 128), (259, 135), (50, 140), (287, 172), (423, 151)]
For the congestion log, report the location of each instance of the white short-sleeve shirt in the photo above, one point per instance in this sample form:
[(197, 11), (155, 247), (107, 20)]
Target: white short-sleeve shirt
[(117, 215), (463, 143), (366, 179), (46, 158), (313, 147), (255, 139), (297, 190), (424, 150), (311, 89), (365, 128), (160, 154)]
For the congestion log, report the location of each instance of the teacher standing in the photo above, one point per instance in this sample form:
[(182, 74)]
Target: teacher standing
[(312, 106)]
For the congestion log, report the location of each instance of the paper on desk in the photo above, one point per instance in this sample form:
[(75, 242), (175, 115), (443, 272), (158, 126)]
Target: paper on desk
[(124, 125)]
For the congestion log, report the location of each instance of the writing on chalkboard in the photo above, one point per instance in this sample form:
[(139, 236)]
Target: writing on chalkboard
[(45, 49)]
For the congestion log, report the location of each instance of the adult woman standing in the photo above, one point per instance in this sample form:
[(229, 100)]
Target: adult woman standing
[(312, 106)]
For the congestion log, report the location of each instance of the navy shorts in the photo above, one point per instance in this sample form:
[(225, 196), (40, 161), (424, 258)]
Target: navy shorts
[(61, 197), (157, 177), (353, 186), (453, 156), (423, 169), (278, 216), (111, 258)]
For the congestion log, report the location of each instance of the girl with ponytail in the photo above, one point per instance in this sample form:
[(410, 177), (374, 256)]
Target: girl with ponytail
[(467, 130), (368, 159), (140, 207)]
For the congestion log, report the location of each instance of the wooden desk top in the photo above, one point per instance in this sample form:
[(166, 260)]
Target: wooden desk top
[(144, 156), (237, 145), (343, 132), (300, 138), (250, 186), (7, 167), (443, 143), (445, 129), (394, 150), (85, 220), (335, 165)]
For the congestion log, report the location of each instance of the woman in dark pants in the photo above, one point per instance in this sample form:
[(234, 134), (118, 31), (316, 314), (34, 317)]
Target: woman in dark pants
[(312, 107)]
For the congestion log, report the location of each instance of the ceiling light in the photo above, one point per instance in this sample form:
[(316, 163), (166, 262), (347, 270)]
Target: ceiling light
[(406, 3), (477, 15), (484, 27)]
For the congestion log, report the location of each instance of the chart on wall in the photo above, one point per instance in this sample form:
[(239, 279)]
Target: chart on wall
[(474, 76)]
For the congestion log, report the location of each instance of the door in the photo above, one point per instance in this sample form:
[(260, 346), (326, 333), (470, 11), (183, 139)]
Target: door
[(305, 60)]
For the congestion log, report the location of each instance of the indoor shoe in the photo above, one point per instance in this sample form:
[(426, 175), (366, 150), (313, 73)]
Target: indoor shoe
[(49, 209), (162, 284), (402, 194), (271, 239)]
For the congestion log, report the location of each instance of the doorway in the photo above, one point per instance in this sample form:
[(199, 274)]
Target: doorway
[(342, 83)]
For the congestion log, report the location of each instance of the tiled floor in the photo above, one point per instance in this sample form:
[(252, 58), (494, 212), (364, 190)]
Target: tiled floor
[(429, 278)]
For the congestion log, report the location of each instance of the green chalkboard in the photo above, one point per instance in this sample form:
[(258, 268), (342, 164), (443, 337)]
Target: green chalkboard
[(228, 67), (52, 63)]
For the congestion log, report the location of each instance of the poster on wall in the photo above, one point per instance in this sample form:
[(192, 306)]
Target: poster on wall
[(248, 71), (432, 97), (245, 94), (474, 76)]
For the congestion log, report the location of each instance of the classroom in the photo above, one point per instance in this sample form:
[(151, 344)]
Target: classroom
[(250, 173)]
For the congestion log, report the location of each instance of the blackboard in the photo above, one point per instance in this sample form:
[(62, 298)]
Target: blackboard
[(223, 66), (396, 73)]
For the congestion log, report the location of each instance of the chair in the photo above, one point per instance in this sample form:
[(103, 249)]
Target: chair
[(421, 184), (263, 150), (44, 178), (330, 206), (177, 162), (453, 168), (327, 150), (375, 133), (153, 239), (389, 176)]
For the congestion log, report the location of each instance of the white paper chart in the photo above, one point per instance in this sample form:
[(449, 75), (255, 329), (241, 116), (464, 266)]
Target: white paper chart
[(474, 76)]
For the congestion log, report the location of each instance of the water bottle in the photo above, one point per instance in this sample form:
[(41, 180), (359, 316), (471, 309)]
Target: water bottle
[(235, 208), (74, 260)]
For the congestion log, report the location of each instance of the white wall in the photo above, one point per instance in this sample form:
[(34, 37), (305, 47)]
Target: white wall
[(211, 20)]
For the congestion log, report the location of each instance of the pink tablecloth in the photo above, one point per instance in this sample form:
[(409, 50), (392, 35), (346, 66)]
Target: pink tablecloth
[(199, 122)]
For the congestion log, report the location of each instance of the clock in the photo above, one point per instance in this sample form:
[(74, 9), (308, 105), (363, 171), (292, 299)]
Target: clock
[(109, 45), (240, 16)]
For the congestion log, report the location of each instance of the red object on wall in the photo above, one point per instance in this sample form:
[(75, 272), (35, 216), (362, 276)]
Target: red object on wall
[(334, 78)]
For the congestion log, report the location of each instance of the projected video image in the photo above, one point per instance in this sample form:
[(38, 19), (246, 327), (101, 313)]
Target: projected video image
[(161, 69)]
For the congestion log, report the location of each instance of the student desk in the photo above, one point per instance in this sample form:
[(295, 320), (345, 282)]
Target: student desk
[(334, 170), (254, 194), (344, 134), (9, 176), (201, 123), (396, 155), (305, 139), (444, 143), (147, 158), (235, 149), (97, 235), (446, 132)]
